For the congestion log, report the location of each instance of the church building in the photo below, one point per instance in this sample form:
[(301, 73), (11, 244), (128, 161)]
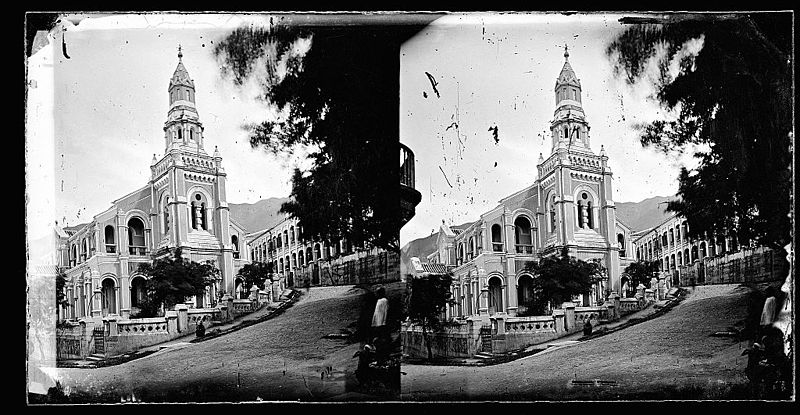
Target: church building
[(183, 205), (569, 205)]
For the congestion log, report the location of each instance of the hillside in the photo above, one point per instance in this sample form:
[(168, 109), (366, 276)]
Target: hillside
[(420, 248), (645, 214), (260, 215)]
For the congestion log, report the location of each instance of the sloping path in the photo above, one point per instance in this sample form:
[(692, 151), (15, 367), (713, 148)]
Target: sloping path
[(672, 356)]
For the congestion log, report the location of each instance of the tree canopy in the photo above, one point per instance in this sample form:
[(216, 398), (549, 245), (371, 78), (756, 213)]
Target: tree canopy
[(733, 98), (640, 272), (255, 273), (559, 278), (428, 296), (172, 279), (339, 99)]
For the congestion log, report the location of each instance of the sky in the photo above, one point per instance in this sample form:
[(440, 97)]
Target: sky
[(110, 102), (500, 71)]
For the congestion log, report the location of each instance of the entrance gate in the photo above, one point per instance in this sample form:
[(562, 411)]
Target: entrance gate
[(99, 335)]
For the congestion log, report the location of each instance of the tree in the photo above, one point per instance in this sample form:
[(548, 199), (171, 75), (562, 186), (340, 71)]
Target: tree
[(559, 278), (172, 279), (338, 99), (255, 273), (733, 98), (641, 271), (428, 296), (61, 295)]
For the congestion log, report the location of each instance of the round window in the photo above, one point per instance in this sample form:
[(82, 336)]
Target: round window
[(584, 196), (197, 197)]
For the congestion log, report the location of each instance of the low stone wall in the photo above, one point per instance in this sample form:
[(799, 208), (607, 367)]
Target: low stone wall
[(74, 340), (242, 307), (522, 332), (630, 305), (747, 265), (508, 333), (460, 340), (592, 314)]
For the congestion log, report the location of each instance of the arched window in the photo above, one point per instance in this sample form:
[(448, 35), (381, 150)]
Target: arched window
[(694, 253), (553, 214), (180, 134), (460, 254), (280, 265), (73, 256), (471, 248), (523, 236), (309, 255), (497, 238), (136, 241), (111, 243), (286, 238), (235, 243), (300, 258), (702, 250), (291, 235), (138, 291), (495, 295), (621, 242), (317, 252)]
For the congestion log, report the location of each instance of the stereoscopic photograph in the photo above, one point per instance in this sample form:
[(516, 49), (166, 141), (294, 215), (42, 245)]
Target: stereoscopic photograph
[(591, 207)]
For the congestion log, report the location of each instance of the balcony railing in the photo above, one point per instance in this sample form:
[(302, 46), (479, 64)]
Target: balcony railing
[(406, 166), (111, 249), (524, 249), (137, 250), (497, 246)]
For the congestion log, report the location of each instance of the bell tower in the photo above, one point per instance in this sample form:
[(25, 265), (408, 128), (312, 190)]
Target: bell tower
[(189, 185), (569, 127), (183, 127), (576, 185)]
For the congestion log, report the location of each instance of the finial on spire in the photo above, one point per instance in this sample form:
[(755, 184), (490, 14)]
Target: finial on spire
[(180, 54), (566, 52)]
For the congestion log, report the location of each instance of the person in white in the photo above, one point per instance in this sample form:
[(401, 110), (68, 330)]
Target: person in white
[(381, 307)]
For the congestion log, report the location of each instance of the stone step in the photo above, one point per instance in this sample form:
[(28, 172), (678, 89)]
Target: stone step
[(95, 357), (483, 355)]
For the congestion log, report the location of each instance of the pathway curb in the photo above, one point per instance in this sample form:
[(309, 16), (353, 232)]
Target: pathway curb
[(519, 354), (117, 360)]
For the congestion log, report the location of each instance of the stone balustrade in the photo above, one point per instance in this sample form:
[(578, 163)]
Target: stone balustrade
[(630, 305), (534, 324), (593, 314), (142, 326)]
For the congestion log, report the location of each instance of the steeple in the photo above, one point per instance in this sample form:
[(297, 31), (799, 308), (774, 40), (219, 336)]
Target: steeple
[(569, 127), (183, 126)]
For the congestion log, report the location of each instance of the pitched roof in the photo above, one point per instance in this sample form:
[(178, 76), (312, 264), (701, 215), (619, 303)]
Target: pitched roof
[(181, 76), (434, 268)]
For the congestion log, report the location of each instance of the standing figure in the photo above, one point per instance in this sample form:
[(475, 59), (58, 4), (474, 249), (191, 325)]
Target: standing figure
[(380, 332)]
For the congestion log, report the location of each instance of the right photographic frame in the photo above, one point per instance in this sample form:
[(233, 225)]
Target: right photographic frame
[(597, 207)]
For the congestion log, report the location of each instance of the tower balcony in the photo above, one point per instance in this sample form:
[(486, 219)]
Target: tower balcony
[(409, 196)]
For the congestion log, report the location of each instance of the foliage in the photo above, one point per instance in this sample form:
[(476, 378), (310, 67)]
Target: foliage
[(428, 297), (733, 99), (172, 279), (559, 278), (336, 100), (640, 272), (255, 273), (61, 295)]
